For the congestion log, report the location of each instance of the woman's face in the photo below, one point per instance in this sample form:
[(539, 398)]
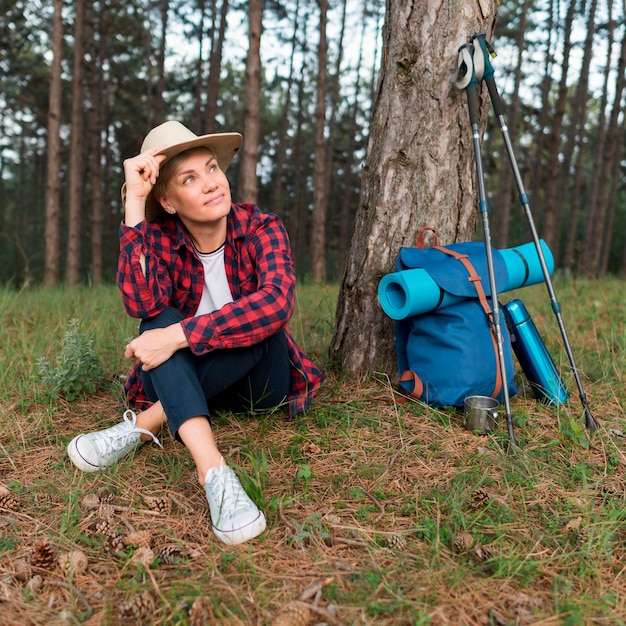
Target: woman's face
[(198, 191)]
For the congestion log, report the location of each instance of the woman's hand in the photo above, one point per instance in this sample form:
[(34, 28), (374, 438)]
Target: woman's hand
[(141, 173), (154, 347)]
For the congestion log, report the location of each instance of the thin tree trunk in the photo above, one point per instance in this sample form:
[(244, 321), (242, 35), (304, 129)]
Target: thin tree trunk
[(213, 84), (248, 182), (575, 142), (96, 128), (345, 213), (53, 187), (420, 169), (160, 85), (281, 148), (610, 218), (199, 86), (538, 179), (298, 221), (506, 181), (76, 171), (320, 199), (551, 227), (611, 153)]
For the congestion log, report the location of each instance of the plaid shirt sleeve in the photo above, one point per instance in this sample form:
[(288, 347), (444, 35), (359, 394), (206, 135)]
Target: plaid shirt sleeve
[(145, 295)]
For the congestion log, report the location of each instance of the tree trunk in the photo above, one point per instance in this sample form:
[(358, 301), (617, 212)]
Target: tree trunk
[(550, 226), (420, 168), (611, 153), (576, 143), (538, 179), (505, 191), (160, 84), (248, 183), (213, 83), (95, 133), (76, 170), (345, 212), (281, 148), (199, 85), (53, 186), (598, 164), (320, 198)]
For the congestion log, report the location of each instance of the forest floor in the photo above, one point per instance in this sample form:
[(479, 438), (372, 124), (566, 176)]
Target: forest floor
[(378, 511)]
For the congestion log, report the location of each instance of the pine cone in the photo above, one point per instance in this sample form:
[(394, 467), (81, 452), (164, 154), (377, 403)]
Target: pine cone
[(160, 504), (200, 612), (106, 496), (91, 501), (463, 542), (480, 497), (292, 614), (102, 526), (171, 553), (139, 538), (22, 570), (43, 556), (142, 556), (138, 608), (73, 562), (106, 511), (8, 500), (396, 541), (484, 553), (609, 492), (113, 543)]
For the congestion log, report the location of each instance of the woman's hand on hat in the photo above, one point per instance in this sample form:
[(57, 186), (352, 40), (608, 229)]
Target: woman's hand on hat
[(142, 171)]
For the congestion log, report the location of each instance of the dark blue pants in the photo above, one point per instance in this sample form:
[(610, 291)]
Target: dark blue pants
[(236, 379)]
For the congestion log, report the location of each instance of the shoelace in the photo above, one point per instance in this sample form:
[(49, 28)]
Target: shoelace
[(229, 493), (126, 429)]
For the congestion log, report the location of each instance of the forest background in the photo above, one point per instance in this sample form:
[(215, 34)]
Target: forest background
[(82, 82)]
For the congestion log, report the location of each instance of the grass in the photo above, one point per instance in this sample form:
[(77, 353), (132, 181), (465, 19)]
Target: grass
[(379, 512)]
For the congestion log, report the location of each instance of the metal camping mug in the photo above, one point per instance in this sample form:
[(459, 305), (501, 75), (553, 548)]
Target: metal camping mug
[(480, 414)]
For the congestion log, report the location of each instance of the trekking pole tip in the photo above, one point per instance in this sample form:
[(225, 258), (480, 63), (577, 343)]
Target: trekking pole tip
[(590, 421)]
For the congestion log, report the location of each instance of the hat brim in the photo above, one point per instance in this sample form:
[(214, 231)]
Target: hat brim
[(223, 145)]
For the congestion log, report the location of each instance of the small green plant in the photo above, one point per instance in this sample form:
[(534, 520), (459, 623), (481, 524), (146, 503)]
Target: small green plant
[(574, 430), (76, 369)]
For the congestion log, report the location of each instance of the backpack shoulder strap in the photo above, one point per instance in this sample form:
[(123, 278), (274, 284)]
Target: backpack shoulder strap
[(474, 278)]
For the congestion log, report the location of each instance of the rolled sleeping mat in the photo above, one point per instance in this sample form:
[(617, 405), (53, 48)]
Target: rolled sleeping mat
[(414, 291)]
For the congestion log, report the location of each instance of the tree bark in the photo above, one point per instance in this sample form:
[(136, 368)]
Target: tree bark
[(53, 186), (248, 182), (76, 171), (320, 197), (215, 65), (551, 226), (576, 142), (505, 191), (419, 171), (95, 132), (281, 148)]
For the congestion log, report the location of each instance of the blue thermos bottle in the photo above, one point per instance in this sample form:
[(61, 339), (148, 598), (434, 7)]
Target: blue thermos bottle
[(533, 356)]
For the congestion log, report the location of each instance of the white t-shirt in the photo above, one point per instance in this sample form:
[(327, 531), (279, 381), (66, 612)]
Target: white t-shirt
[(216, 292)]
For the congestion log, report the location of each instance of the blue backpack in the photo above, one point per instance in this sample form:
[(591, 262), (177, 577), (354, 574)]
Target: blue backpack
[(451, 351)]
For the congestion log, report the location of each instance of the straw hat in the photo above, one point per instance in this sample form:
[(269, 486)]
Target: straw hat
[(177, 138)]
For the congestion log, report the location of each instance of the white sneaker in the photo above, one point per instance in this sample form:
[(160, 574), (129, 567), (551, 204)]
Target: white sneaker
[(95, 451), (234, 516)]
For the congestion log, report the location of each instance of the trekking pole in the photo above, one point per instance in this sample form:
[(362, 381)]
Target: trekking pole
[(483, 52), (468, 82)]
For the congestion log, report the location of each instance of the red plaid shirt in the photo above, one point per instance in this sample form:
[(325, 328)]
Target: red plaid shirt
[(262, 281)]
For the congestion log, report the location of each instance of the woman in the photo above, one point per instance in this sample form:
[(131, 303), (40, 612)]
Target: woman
[(214, 286)]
